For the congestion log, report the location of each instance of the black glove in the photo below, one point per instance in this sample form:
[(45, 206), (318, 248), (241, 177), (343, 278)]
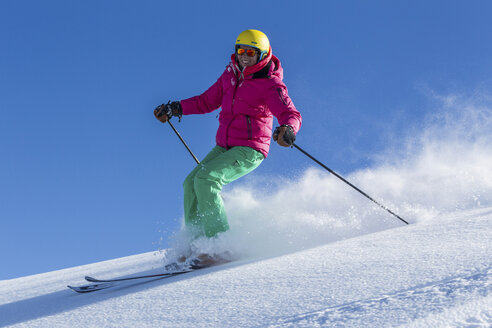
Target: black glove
[(170, 109), (289, 135)]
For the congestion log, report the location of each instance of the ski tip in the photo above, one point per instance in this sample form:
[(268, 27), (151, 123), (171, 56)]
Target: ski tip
[(90, 279), (75, 289), (90, 288)]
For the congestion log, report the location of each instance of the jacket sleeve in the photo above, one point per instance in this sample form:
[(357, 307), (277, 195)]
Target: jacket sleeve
[(282, 107), (207, 102)]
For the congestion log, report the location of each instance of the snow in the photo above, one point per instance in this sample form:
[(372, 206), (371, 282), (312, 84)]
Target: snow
[(314, 253), (434, 274)]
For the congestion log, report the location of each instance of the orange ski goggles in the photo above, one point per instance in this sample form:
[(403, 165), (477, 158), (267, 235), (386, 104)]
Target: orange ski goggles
[(249, 52)]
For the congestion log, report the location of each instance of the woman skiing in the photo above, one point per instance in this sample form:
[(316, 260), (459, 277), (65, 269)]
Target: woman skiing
[(250, 92)]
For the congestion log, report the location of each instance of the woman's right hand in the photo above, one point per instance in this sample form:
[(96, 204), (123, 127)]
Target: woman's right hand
[(163, 112)]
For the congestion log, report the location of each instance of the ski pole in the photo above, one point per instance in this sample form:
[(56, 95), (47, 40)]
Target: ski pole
[(341, 178), (184, 143)]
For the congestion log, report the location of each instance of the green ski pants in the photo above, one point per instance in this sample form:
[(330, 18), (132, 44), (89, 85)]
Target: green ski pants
[(203, 206)]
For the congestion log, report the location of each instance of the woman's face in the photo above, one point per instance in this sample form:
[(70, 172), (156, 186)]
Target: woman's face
[(245, 60)]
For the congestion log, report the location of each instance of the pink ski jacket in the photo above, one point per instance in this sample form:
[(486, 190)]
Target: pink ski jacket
[(248, 99)]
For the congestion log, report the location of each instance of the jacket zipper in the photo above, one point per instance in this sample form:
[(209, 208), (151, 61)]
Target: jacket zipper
[(238, 81), (279, 90), (232, 110), (250, 134)]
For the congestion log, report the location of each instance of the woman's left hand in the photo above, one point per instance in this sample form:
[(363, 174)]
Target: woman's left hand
[(284, 136)]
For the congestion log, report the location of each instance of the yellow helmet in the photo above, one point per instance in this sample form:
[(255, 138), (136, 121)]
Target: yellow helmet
[(256, 39)]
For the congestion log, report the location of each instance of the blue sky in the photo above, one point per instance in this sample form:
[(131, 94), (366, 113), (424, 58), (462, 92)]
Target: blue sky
[(88, 174)]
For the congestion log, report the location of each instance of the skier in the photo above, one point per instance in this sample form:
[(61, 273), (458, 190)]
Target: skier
[(250, 92)]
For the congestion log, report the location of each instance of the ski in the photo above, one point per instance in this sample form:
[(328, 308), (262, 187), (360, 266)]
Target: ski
[(91, 288), (99, 284), (163, 275)]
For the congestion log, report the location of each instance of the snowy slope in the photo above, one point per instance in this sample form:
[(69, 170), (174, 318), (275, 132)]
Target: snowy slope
[(435, 274)]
